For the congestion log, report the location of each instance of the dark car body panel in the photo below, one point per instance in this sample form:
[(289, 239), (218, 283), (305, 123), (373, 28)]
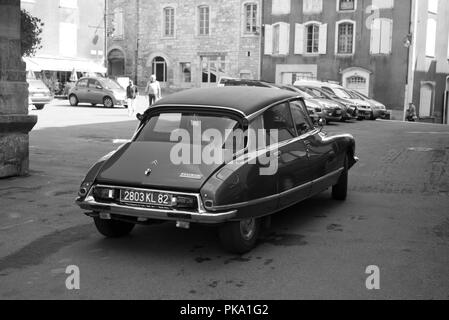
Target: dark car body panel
[(307, 164)]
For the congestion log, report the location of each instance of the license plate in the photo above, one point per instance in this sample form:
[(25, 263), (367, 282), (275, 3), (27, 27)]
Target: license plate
[(38, 94), (146, 198), (338, 112)]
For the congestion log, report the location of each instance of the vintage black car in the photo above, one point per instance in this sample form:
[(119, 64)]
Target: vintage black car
[(277, 159)]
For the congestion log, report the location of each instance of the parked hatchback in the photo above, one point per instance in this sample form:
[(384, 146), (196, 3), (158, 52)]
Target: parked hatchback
[(98, 91)]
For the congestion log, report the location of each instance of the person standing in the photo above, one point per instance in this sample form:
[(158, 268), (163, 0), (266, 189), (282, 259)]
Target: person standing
[(131, 95), (153, 90)]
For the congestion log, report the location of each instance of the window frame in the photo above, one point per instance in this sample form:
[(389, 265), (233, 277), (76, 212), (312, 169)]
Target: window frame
[(351, 10), (337, 37), (307, 25), (172, 22), (202, 28), (255, 27)]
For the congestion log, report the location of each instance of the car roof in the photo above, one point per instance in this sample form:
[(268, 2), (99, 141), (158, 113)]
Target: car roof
[(245, 100)]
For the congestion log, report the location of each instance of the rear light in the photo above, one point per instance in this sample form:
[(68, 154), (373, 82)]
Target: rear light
[(104, 193), (184, 202)]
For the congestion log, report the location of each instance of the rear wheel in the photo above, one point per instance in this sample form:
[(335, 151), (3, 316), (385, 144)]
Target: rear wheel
[(73, 100), (240, 237), (108, 103), (340, 190), (113, 228), (39, 106)]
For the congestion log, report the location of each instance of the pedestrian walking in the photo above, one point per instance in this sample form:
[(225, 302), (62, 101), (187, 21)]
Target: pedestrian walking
[(131, 95), (153, 90)]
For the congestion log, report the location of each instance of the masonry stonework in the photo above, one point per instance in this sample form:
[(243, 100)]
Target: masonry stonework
[(15, 123), (226, 51)]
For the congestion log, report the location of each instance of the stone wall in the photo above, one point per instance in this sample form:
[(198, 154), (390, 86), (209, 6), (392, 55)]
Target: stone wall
[(15, 123), (241, 52)]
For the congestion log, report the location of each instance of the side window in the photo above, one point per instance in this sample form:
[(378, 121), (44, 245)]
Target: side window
[(300, 118), (93, 83), (82, 83), (279, 119)]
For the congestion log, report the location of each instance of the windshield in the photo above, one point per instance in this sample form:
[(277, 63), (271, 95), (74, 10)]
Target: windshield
[(194, 127), (110, 84), (342, 93)]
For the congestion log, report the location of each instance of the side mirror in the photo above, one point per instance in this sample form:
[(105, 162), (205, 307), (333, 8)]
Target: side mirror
[(140, 117)]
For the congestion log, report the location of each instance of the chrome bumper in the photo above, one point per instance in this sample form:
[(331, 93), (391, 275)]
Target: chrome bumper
[(112, 209)]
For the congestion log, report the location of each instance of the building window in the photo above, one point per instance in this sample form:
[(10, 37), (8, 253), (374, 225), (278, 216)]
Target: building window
[(68, 39), (431, 37), (160, 69), (251, 18), (280, 7), (169, 22), (312, 6), (204, 21), (433, 6), (118, 25), (212, 67), (345, 37), (276, 37), (346, 5), (313, 38), (381, 36), (186, 71), (383, 4)]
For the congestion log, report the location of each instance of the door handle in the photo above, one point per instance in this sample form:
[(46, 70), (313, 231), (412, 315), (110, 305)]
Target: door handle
[(277, 154)]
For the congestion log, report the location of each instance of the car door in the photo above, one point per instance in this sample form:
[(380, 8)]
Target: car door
[(95, 92), (293, 181), (80, 90), (321, 151)]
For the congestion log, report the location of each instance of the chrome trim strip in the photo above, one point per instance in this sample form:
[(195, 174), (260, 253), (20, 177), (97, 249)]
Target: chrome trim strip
[(276, 196), (197, 196), (261, 111), (158, 214), (198, 106)]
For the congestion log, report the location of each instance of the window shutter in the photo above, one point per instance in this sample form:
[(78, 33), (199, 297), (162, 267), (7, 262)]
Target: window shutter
[(386, 34), (299, 38), (268, 39), (322, 47), (375, 36), (284, 38)]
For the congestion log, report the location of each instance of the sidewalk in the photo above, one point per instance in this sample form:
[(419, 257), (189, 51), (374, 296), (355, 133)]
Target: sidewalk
[(43, 203)]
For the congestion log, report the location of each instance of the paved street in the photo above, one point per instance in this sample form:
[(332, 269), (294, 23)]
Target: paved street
[(396, 218)]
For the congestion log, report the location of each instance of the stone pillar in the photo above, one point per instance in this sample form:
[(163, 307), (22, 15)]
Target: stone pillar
[(15, 123)]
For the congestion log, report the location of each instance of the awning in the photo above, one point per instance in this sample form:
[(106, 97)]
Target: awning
[(63, 64)]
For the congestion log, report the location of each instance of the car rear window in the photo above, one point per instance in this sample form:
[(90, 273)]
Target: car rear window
[(161, 127)]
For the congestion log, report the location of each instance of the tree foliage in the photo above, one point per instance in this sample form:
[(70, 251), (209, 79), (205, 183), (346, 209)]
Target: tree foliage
[(31, 30)]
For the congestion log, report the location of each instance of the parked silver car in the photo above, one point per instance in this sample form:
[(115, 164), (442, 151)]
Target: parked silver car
[(98, 91)]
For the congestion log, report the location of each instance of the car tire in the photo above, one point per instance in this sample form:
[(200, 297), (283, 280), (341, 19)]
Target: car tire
[(93, 105), (372, 118), (73, 100), (240, 237), (340, 190), (108, 102), (113, 228), (39, 106)]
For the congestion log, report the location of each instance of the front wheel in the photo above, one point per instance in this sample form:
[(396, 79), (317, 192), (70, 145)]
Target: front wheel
[(73, 100), (240, 237), (39, 106), (340, 190), (113, 228), (108, 103)]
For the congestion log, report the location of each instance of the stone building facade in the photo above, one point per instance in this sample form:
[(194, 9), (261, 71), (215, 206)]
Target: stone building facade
[(358, 43), (15, 123), (185, 43)]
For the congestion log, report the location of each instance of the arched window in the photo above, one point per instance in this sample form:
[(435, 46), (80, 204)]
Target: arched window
[(251, 18), (160, 69), (116, 63), (426, 99), (169, 22)]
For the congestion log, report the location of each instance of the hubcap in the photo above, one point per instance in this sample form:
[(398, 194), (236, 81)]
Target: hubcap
[(248, 228), (72, 100), (108, 103)]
